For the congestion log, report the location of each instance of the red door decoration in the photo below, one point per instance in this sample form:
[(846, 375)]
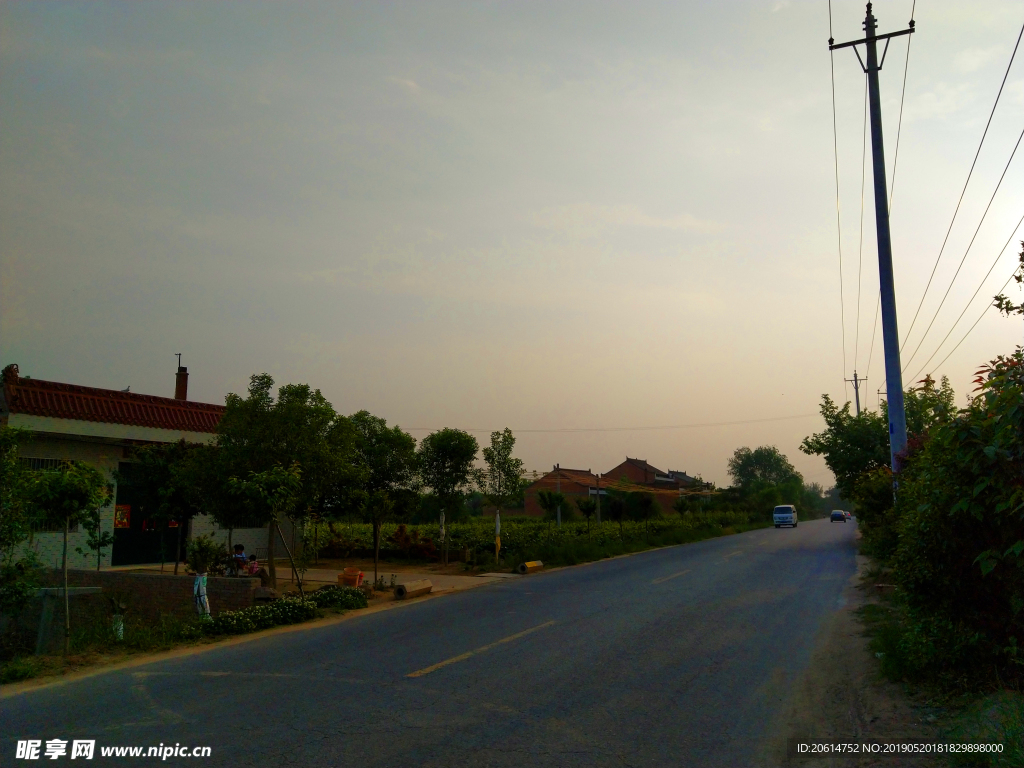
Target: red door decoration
[(122, 515)]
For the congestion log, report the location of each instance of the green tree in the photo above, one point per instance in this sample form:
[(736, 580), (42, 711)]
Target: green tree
[(501, 484), (617, 509), (14, 515), (18, 572), (550, 501), (377, 508), (587, 507), (446, 467), (73, 494), (258, 433), (386, 459), (271, 495), (767, 465), (643, 509)]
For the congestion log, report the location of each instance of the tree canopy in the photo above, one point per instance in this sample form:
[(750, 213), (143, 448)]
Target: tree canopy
[(763, 466)]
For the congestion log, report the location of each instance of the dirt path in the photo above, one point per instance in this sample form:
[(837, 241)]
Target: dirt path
[(843, 698)]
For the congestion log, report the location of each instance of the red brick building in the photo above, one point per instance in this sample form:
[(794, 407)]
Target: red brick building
[(630, 475)]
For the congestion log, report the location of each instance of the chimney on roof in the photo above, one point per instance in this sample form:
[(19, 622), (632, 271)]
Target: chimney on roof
[(181, 383)]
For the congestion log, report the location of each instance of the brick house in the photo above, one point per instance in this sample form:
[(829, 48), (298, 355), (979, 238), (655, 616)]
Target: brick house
[(99, 427), (632, 475), (572, 483)]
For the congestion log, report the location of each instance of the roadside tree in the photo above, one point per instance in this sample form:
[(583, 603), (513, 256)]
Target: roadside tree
[(386, 460), (271, 494), (502, 482), (587, 507), (73, 494), (446, 467)]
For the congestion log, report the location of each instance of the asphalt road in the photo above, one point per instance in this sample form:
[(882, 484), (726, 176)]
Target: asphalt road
[(683, 656)]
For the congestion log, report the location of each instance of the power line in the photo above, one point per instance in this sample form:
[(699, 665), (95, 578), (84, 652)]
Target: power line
[(839, 228), (975, 294), (969, 246), (964, 190), (860, 246), (570, 430), (987, 308)]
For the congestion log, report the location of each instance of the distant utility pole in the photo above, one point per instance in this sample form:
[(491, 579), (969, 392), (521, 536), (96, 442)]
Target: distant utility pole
[(856, 388), (558, 513), (890, 334)]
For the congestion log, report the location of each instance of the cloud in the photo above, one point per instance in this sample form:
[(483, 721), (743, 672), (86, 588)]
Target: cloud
[(780, 6)]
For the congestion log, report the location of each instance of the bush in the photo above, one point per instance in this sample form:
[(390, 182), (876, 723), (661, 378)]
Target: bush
[(19, 668), (960, 557), (345, 598), (205, 554), (286, 611)]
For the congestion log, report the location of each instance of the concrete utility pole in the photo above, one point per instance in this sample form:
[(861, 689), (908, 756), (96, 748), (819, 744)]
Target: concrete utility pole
[(890, 334), (856, 389)]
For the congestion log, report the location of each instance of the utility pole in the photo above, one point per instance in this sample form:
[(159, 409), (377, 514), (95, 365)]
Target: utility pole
[(558, 513), (856, 388), (890, 334)]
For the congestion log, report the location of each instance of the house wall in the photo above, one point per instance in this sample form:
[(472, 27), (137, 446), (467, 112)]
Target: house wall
[(631, 472), (105, 457), (251, 538), (571, 489)]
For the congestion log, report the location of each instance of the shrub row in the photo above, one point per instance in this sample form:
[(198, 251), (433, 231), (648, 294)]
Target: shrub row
[(285, 611)]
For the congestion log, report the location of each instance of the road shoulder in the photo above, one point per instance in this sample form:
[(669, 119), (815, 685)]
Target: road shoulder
[(842, 697)]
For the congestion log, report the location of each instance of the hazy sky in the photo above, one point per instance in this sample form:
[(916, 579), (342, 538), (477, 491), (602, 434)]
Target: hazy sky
[(541, 215)]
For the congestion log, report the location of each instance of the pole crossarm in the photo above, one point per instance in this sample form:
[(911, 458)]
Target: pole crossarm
[(908, 31)]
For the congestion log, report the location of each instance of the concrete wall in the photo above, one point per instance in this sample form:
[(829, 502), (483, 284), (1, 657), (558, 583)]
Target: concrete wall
[(151, 595), (252, 538)]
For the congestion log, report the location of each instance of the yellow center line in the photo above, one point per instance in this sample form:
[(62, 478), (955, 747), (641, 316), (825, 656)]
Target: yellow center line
[(666, 578), (468, 654)]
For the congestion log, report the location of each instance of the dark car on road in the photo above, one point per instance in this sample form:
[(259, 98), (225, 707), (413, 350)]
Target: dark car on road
[(838, 516)]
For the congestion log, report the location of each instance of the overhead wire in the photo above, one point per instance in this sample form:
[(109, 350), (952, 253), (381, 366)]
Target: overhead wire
[(860, 245), (835, 152), (963, 191), (971, 300), (634, 429), (969, 246), (984, 311)]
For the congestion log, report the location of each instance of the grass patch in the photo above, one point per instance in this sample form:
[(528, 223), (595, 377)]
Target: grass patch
[(995, 719), (95, 640)]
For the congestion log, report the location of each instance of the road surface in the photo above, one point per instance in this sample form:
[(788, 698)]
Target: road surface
[(684, 656)]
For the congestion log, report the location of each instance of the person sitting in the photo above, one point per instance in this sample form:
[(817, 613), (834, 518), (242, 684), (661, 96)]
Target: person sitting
[(253, 567), (238, 560)]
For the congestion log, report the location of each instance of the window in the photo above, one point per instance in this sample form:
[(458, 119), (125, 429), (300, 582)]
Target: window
[(43, 464)]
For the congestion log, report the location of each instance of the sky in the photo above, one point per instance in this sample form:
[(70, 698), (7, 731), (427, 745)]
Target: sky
[(608, 226)]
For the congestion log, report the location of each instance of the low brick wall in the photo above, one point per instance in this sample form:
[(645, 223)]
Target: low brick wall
[(151, 594)]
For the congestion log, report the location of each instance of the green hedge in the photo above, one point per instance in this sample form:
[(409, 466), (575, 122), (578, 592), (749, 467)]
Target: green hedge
[(332, 596), (285, 611)]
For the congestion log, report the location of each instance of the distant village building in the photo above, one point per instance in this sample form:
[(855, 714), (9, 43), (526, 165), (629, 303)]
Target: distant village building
[(100, 427), (630, 475)]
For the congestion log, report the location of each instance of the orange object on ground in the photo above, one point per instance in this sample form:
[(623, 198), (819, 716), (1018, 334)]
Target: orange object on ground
[(351, 577)]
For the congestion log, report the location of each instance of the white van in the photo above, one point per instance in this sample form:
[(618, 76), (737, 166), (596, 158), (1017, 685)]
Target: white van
[(785, 515)]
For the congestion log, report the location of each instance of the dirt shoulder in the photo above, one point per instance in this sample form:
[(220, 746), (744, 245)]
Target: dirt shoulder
[(843, 698)]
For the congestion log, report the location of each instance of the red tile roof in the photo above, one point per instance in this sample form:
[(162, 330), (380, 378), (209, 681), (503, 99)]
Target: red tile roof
[(35, 397)]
